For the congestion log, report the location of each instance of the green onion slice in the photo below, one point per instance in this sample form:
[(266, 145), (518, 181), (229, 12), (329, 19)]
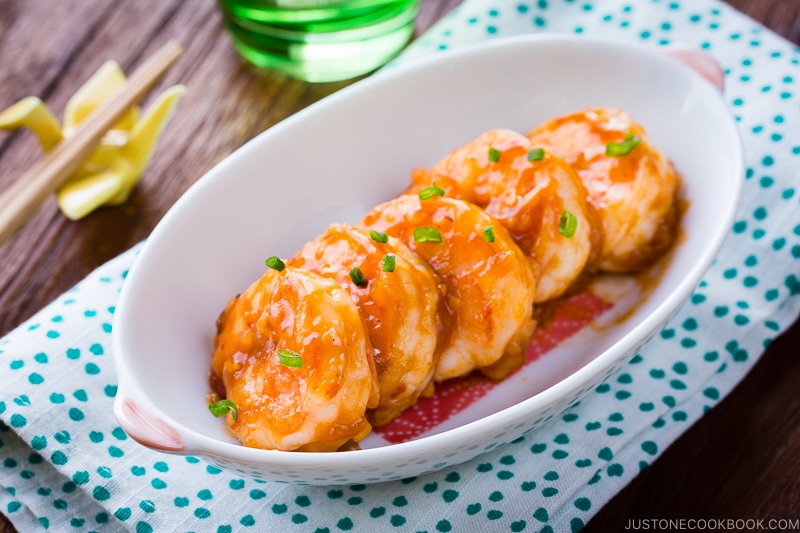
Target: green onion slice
[(494, 155), (275, 263), (617, 149), (488, 234), (377, 236), (221, 408), (567, 224), (358, 277), (290, 358), (535, 154), (429, 192), (389, 262), (427, 234)]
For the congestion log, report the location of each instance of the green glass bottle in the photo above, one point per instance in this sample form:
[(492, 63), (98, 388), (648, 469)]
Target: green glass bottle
[(319, 40)]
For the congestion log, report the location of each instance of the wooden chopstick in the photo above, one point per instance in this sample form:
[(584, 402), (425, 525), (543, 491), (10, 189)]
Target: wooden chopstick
[(21, 199)]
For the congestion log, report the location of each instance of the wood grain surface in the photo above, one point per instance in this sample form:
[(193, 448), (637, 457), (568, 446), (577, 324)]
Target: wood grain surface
[(742, 460)]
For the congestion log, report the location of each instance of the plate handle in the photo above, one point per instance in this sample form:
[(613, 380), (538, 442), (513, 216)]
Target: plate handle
[(699, 61), (146, 428)]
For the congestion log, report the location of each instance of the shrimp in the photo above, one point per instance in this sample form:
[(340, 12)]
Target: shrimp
[(528, 191), (633, 190), (467, 172), (489, 282), (398, 299), (545, 210), (317, 407)]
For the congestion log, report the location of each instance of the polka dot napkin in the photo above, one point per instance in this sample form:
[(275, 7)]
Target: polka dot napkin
[(65, 464)]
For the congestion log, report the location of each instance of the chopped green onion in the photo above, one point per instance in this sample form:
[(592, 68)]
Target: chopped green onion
[(290, 358), (389, 262), (358, 277), (488, 234), (275, 263), (427, 234), (567, 224), (377, 236), (221, 408), (617, 149), (535, 154), (429, 192), (494, 155)]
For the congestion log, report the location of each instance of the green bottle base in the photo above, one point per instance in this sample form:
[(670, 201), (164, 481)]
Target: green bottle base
[(330, 41)]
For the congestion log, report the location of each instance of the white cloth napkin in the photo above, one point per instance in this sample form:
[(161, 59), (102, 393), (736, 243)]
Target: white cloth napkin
[(65, 465)]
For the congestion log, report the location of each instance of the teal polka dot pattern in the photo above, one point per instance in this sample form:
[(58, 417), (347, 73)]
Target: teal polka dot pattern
[(65, 464)]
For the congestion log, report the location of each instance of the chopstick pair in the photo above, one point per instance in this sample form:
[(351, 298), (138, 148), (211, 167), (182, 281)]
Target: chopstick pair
[(20, 200)]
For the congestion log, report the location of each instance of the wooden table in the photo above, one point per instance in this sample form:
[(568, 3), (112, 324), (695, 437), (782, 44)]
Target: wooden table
[(742, 460)]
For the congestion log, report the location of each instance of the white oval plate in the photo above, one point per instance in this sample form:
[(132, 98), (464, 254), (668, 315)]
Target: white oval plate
[(334, 161)]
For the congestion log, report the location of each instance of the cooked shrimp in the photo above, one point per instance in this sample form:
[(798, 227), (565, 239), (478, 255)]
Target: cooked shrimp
[(468, 173), (528, 192), (317, 407), (398, 300), (633, 190), (490, 285), (545, 210)]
